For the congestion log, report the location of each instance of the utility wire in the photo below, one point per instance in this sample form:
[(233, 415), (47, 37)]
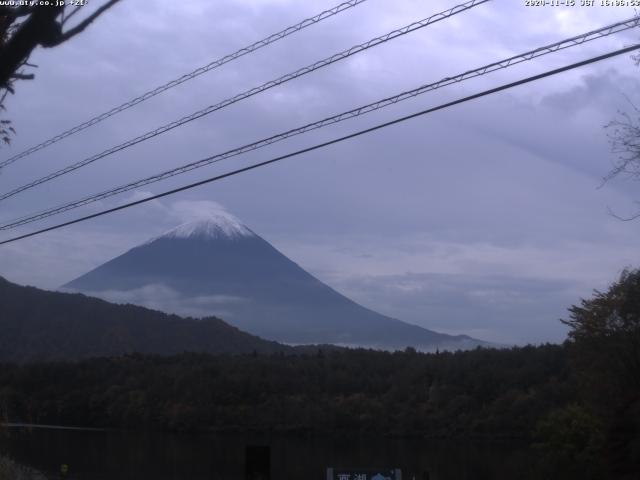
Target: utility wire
[(331, 142), (573, 41), (249, 93), (189, 76)]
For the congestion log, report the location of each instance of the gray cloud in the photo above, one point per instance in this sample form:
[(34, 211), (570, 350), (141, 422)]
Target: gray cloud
[(507, 309), (163, 298)]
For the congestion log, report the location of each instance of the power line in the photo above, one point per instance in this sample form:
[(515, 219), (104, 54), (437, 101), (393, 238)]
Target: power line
[(254, 91), (331, 142), (189, 76), (573, 41)]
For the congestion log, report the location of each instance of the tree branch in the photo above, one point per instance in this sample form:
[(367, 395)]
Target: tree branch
[(73, 12), (23, 76), (15, 12), (84, 24), (38, 28), (623, 219)]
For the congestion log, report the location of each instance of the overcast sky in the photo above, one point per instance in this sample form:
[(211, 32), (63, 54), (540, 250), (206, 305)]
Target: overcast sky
[(484, 219)]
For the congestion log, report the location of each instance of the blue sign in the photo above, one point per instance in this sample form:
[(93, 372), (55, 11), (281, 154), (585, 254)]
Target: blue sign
[(364, 474)]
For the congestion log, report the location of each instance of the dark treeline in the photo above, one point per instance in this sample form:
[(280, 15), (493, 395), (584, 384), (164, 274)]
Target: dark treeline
[(481, 392)]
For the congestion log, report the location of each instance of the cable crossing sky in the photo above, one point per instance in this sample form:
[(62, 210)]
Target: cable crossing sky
[(332, 142), (185, 78), (502, 64), (254, 91)]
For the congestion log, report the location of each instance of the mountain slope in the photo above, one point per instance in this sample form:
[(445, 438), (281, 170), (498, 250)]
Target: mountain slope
[(219, 266), (43, 325)]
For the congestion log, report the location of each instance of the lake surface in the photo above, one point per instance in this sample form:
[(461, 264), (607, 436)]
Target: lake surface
[(110, 455)]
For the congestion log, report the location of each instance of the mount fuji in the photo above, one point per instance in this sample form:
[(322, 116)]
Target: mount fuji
[(218, 266)]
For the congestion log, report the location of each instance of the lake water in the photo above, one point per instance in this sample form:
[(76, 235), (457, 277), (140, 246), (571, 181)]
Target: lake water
[(99, 455)]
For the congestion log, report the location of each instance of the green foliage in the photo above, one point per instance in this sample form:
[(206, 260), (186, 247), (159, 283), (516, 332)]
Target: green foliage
[(494, 393), (604, 346), (571, 440), (605, 340)]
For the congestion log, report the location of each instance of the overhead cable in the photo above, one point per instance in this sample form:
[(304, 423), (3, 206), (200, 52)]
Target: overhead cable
[(185, 78), (330, 142), (249, 93), (514, 60)]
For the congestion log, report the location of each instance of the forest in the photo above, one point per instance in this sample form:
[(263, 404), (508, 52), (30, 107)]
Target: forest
[(484, 392), (578, 403)]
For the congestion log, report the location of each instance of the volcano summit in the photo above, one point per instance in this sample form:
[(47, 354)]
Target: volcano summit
[(218, 266)]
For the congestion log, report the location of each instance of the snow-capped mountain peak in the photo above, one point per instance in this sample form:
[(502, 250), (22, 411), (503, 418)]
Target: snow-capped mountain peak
[(226, 270), (215, 226)]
